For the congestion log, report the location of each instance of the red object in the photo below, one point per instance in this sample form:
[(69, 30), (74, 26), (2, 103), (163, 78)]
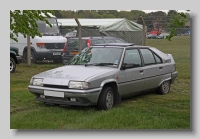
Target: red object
[(154, 32), (65, 48), (88, 43)]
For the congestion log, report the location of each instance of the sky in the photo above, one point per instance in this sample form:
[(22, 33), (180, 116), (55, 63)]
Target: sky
[(149, 11)]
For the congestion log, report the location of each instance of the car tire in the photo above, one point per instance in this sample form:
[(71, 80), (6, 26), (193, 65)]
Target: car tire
[(12, 65), (33, 58), (106, 99), (164, 88)]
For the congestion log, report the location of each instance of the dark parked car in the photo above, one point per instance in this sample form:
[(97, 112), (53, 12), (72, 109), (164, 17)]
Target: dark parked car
[(14, 58), (71, 47), (102, 75)]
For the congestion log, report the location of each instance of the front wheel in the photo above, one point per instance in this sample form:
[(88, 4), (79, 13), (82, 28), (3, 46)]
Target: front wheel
[(106, 99), (164, 88), (12, 65)]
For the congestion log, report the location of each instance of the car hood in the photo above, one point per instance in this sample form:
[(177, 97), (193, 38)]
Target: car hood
[(62, 75)]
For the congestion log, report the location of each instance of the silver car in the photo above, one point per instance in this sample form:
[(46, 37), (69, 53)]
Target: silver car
[(102, 75)]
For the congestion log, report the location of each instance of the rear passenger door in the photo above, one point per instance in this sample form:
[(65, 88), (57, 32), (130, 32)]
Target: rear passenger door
[(153, 68)]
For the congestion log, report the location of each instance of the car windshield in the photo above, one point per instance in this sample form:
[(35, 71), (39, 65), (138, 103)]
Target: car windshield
[(46, 30), (97, 56)]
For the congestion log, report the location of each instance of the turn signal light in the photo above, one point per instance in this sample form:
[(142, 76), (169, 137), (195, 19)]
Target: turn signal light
[(40, 44)]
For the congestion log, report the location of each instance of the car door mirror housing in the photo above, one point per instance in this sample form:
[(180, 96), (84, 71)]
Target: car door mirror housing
[(127, 66)]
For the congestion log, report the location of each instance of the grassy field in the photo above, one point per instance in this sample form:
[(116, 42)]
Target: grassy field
[(148, 111)]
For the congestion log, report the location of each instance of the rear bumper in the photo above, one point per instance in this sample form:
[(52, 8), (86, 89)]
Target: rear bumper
[(174, 76)]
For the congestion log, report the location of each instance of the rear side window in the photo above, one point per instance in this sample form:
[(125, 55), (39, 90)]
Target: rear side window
[(158, 60), (119, 41), (73, 44), (109, 41), (148, 57), (100, 41)]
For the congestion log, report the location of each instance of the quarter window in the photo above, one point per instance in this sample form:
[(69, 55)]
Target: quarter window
[(147, 57), (158, 60)]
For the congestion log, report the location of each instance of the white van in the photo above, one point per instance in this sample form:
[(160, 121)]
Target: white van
[(47, 47)]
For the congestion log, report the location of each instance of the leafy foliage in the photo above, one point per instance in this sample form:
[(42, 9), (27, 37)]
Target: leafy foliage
[(178, 21), (24, 22)]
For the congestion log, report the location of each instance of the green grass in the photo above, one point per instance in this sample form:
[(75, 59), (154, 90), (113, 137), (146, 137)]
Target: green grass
[(147, 111)]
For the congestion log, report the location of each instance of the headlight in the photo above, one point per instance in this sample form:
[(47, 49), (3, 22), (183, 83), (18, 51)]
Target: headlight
[(37, 81), (78, 85)]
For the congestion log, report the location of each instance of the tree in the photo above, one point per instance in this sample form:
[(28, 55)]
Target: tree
[(24, 22), (178, 21)]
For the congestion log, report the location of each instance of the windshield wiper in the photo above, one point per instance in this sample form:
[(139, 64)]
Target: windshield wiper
[(100, 64)]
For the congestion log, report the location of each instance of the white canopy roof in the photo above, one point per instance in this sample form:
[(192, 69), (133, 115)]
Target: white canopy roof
[(88, 22)]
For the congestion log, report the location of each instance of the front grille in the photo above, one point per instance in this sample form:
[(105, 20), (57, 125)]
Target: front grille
[(54, 45), (55, 86)]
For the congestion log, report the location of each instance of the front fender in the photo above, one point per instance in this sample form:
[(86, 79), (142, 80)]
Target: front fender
[(107, 81)]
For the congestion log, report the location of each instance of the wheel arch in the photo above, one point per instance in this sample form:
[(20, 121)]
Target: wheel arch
[(113, 84), (32, 49)]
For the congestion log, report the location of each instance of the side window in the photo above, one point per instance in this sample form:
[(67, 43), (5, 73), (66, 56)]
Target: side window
[(158, 60), (119, 41), (100, 41), (148, 57), (132, 56), (109, 41)]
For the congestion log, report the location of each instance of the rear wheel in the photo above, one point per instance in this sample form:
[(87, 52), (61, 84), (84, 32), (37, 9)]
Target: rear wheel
[(12, 65), (33, 58), (164, 88), (106, 99)]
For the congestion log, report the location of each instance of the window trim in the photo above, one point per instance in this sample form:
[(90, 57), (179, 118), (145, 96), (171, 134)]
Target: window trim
[(153, 53), (141, 58)]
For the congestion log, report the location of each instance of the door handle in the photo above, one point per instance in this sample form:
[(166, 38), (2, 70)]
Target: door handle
[(141, 71), (160, 67)]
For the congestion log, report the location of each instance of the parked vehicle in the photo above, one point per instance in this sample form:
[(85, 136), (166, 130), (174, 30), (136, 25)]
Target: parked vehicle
[(47, 47), (71, 34), (14, 58), (151, 36), (102, 75), (71, 47), (163, 36)]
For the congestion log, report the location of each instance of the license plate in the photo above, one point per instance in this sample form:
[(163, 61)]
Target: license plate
[(56, 53), (74, 52), (54, 93)]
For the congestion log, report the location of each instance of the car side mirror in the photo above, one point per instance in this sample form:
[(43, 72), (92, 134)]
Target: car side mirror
[(127, 66)]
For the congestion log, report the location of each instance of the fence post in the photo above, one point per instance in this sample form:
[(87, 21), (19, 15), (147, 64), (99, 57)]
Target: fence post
[(143, 32), (28, 51), (79, 35)]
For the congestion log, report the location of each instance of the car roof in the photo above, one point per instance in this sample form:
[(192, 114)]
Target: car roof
[(96, 37), (121, 45)]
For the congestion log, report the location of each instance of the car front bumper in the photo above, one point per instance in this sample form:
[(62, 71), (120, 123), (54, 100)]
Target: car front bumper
[(83, 97), (174, 76)]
